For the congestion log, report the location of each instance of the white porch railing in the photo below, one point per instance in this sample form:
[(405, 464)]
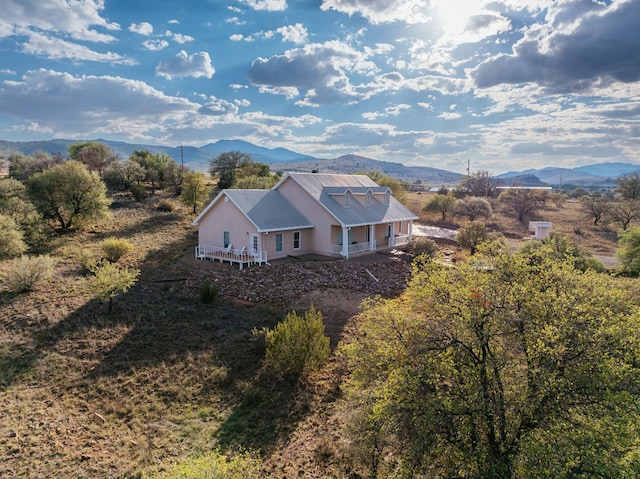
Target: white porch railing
[(232, 255), (354, 249), (399, 240)]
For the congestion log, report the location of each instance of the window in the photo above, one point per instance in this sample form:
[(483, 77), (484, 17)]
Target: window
[(367, 199), (225, 241), (296, 240), (347, 199), (387, 197), (279, 242)]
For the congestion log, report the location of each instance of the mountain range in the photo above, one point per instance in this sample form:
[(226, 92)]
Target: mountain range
[(281, 159)]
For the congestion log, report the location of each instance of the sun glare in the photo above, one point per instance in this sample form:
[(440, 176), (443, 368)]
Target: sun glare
[(452, 15)]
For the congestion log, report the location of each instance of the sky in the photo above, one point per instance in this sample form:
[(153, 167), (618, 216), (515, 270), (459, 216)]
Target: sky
[(500, 85)]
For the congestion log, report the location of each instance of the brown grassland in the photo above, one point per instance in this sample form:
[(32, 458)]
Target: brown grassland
[(164, 377)]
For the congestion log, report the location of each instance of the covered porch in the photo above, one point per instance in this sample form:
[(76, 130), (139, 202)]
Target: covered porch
[(362, 239)]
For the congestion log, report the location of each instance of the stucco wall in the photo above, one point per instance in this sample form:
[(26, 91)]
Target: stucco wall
[(225, 216), (321, 238)]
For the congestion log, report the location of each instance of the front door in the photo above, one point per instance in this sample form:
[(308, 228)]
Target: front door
[(254, 244)]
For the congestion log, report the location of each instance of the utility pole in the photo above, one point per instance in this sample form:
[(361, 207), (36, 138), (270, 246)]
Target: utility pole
[(181, 156)]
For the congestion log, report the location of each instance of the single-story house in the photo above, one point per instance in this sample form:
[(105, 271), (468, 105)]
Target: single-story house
[(326, 214)]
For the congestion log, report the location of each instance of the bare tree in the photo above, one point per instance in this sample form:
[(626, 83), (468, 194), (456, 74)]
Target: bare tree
[(629, 185), (625, 212), (596, 207)]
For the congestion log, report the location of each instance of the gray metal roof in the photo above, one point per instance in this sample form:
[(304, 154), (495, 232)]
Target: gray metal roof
[(268, 210), (324, 187)]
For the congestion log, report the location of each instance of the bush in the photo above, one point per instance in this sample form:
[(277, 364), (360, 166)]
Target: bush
[(297, 345), (111, 280), (138, 192), (24, 273), (166, 206), (116, 248), (208, 292), (213, 466), (423, 245), (11, 238)]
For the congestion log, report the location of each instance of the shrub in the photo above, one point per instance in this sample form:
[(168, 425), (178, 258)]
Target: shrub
[(423, 245), (116, 248), (208, 292), (214, 466), (11, 238), (24, 273), (298, 344), (138, 191), (111, 280), (166, 206)]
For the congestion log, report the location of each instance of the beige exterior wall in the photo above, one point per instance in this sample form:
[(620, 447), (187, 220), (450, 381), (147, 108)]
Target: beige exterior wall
[(321, 239), (227, 218), (269, 243)]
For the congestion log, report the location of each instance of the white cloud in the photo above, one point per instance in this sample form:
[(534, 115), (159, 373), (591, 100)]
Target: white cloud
[(382, 11), (57, 48), (75, 19), (267, 5), (89, 104), (155, 45), (197, 65), (294, 33), (143, 28)]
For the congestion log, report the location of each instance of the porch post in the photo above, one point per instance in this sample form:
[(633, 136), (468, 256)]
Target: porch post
[(372, 237), (345, 242), (410, 230), (392, 237)]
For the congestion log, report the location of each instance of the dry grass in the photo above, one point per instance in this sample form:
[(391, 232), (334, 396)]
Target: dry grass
[(164, 377)]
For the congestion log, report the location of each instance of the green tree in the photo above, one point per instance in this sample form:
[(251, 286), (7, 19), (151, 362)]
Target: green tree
[(111, 280), (398, 191), (298, 344), (629, 185), (255, 182), (629, 251), (22, 167), (472, 235), (95, 155), (15, 203), (68, 193), (226, 165), (560, 247), (484, 372), (442, 204), (473, 208), (195, 189)]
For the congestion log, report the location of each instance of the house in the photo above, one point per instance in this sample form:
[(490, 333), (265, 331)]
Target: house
[(326, 214)]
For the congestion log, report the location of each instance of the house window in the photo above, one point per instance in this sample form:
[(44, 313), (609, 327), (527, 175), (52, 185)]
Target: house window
[(388, 230), (296, 240), (225, 240), (347, 199), (387, 197), (367, 199), (278, 242)]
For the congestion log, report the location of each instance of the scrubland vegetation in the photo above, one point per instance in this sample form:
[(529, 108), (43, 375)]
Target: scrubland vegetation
[(518, 359)]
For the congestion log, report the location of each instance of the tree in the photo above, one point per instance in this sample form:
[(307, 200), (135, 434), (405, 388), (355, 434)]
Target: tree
[(629, 185), (15, 204), (95, 155), (596, 207), (625, 212), (441, 204), (111, 280), (68, 193), (195, 189), (398, 191), (255, 182), (524, 369), (522, 202), (22, 167), (473, 234), (629, 251), (560, 247), (473, 208), (225, 166), (481, 183)]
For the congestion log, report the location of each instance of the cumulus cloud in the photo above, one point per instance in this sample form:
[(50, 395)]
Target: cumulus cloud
[(75, 19), (217, 107), (382, 11), (155, 45), (580, 45), (143, 28), (321, 69), (89, 104), (197, 65), (267, 5)]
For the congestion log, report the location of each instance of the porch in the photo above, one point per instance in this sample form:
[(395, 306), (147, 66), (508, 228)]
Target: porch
[(369, 246), (241, 256)]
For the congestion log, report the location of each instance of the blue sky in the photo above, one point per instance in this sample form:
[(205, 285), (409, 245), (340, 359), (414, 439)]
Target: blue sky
[(503, 84)]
